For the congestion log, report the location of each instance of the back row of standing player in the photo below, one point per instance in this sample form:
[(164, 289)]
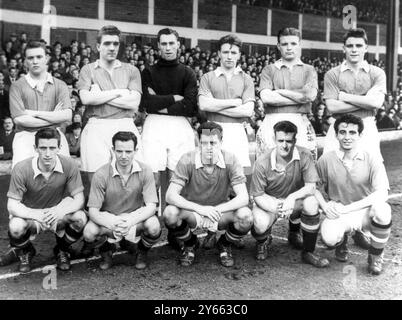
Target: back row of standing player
[(113, 91)]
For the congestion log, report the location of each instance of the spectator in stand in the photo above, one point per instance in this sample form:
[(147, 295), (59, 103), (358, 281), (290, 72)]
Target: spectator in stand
[(394, 118), (383, 121), (6, 139), (77, 118), (320, 120), (4, 98), (74, 139)]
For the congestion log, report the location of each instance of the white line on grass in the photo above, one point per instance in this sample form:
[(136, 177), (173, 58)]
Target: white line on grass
[(160, 244)]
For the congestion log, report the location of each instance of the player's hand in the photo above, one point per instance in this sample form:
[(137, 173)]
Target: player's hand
[(123, 227), (58, 106), (330, 210), (151, 91), (210, 212), (52, 215), (177, 97), (95, 88), (288, 204), (238, 102), (31, 113), (122, 92)]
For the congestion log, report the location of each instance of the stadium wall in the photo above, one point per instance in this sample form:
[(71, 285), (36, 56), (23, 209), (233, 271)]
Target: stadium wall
[(197, 21)]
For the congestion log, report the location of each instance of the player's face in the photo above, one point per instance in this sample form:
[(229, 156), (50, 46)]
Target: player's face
[(210, 148), (348, 136), (285, 143), (354, 49), (36, 61), (124, 152), (47, 150), (168, 45), (289, 47), (108, 47), (229, 55)]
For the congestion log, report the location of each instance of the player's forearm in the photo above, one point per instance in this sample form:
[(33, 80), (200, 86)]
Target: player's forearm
[(267, 203), (55, 117), (71, 204), (375, 197), (368, 102), (307, 190), (272, 98), (337, 106), (143, 213), (299, 96), (29, 121), (179, 201), (98, 97), (128, 102), (102, 218), (241, 200), (19, 210), (320, 198), (210, 104), (245, 110)]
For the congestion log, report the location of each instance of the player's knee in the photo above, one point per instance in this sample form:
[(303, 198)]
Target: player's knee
[(382, 213), (331, 233), (260, 220), (152, 226), (244, 218), (17, 227), (90, 232), (171, 215), (80, 219), (310, 206)]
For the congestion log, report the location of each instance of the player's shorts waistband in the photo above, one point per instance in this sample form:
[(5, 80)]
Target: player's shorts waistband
[(106, 121)]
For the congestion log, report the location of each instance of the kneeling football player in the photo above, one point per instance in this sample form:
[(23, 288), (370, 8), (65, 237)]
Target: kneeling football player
[(283, 185), (198, 197), (117, 212), (356, 185), (45, 193)]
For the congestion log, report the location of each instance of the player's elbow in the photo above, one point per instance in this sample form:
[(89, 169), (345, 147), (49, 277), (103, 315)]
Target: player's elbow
[(203, 103), (85, 97), (12, 207), (331, 105), (18, 121)]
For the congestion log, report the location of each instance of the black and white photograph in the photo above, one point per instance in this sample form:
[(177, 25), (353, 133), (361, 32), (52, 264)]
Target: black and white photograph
[(200, 155)]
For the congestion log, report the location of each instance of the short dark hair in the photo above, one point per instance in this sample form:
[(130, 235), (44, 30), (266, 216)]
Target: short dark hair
[(124, 136), (349, 118), (34, 45), (287, 127), (47, 133), (210, 128), (75, 125), (109, 30), (167, 31), (355, 33), (232, 39), (288, 32)]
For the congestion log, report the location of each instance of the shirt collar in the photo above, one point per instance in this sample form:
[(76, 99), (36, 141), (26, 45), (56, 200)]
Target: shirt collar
[(58, 167), (134, 168), (116, 64), (219, 71), (364, 65), (295, 157), (198, 163), (33, 83), (279, 63), (359, 155)]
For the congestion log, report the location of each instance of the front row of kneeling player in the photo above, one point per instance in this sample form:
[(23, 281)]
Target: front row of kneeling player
[(46, 192)]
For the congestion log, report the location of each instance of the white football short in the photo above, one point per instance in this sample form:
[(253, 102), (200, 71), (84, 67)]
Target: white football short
[(165, 139), (96, 141), (24, 142)]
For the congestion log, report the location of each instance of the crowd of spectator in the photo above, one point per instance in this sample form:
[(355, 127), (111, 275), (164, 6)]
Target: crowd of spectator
[(367, 10), (65, 63)]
